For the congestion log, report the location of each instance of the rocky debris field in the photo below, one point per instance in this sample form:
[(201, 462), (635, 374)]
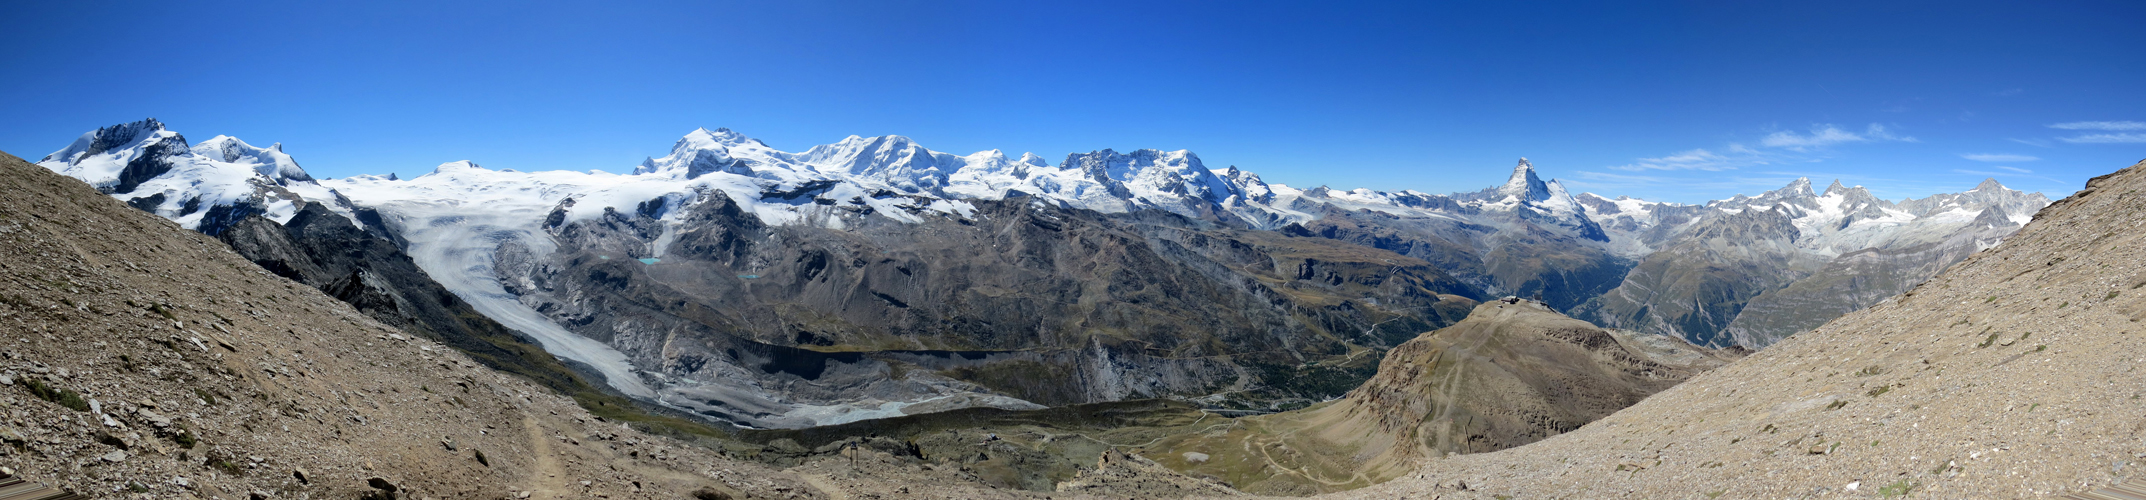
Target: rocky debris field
[(2015, 374)]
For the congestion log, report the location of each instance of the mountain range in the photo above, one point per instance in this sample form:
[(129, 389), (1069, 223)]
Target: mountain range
[(873, 277)]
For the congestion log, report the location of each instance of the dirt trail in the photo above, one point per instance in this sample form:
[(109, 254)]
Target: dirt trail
[(825, 485), (545, 480)]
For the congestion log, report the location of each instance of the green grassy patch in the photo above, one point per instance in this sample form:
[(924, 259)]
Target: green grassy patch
[(45, 391), (1897, 489)]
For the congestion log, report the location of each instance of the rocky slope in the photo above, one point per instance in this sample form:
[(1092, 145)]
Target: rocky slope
[(2013, 374), (1514, 372)]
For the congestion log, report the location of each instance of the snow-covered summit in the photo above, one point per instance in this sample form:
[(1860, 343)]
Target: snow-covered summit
[(203, 187), (1103, 180), (270, 162)]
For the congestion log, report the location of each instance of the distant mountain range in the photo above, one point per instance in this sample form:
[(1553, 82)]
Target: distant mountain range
[(873, 277)]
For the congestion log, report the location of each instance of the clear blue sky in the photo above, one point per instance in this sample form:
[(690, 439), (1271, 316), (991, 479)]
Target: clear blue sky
[(1676, 101)]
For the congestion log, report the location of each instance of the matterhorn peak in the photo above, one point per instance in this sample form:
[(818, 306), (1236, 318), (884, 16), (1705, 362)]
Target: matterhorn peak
[(1524, 184)]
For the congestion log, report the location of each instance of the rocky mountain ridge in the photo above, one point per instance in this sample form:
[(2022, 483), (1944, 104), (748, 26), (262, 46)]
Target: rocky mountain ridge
[(829, 242)]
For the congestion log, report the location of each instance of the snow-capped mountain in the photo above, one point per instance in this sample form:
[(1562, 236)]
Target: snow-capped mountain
[(204, 187), (208, 185)]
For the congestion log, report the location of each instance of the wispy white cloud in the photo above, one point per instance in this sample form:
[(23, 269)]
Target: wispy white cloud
[(2100, 125), (1735, 167), (2039, 143), (1828, 135), (1999, 158), (1737, 155), (2105, 139), (2016, 169)]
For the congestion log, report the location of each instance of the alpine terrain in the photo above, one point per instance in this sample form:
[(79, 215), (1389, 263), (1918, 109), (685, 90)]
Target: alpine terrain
[(872, 277), (899, 342)]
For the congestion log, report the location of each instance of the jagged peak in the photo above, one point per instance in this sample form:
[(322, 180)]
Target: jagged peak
[(112, 137), (1994, 217), (1835, 187), (1990, 184), (1800, 187), (1524, 184)]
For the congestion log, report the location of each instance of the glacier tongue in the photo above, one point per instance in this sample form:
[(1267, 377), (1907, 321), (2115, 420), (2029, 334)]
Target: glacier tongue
[(456, 247)]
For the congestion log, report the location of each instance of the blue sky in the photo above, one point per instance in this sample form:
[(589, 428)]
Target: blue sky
[(1675, 101)]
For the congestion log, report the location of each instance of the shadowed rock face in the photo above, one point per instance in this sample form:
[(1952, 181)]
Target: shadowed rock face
[(1047, 305)]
